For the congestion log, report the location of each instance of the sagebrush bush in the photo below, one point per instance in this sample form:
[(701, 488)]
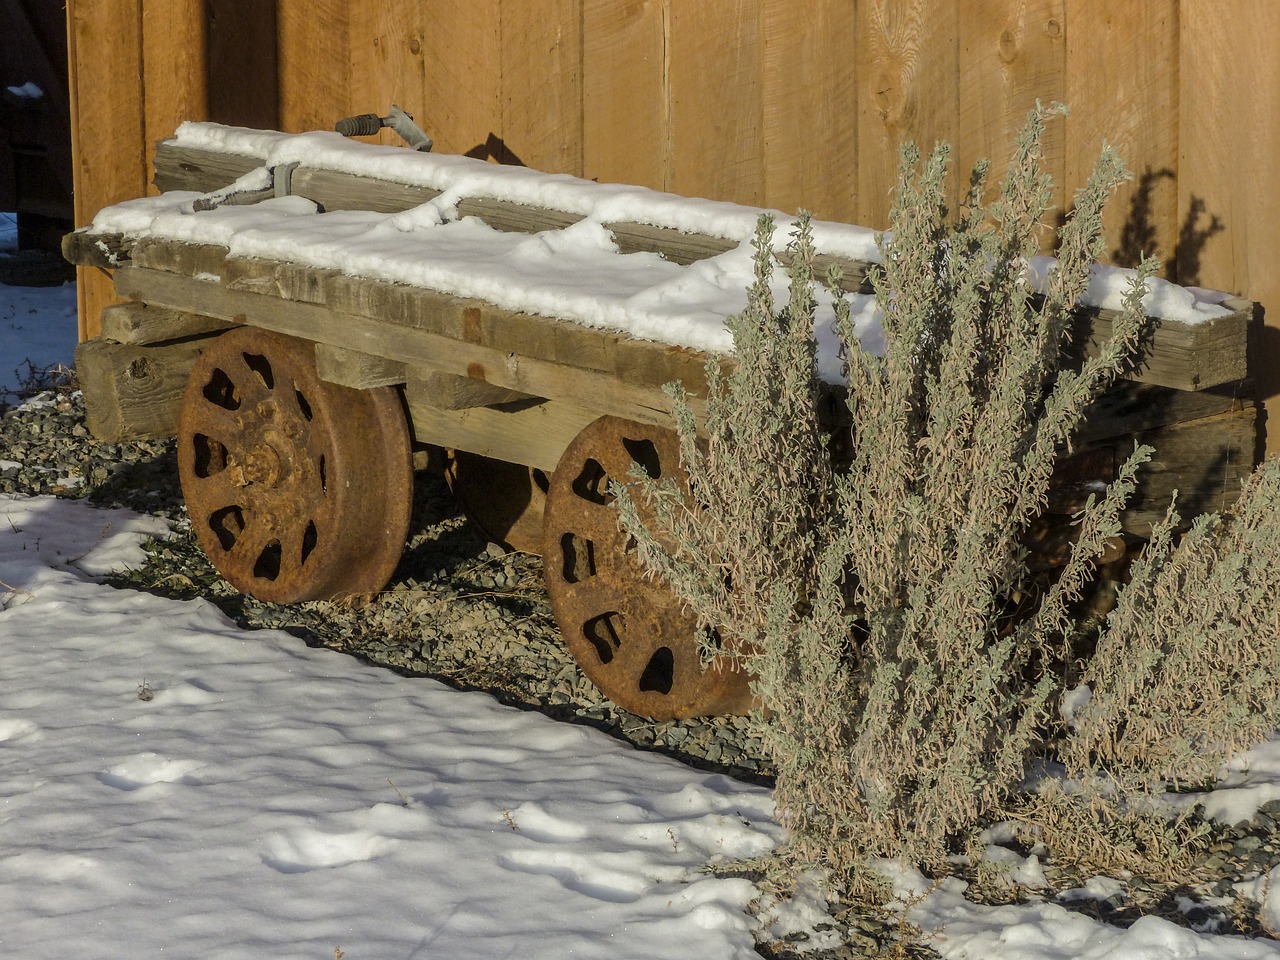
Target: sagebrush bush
[(872, 599), (1187, 668)]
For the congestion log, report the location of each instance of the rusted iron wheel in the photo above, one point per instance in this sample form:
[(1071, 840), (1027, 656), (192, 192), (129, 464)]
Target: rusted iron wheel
[(630, 633), (297, 489), (504, 500)]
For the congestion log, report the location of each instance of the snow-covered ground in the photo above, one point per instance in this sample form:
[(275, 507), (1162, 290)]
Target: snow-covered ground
[(36, 324), (171, 785)]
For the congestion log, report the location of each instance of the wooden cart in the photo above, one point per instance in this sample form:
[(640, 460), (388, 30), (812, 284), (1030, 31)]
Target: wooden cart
[(300, 394)]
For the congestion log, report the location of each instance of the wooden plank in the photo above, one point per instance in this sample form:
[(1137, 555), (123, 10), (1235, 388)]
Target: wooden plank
[(1205, 461), (1228, 208), (535, 435), (624, 91), (542, 83), (315, 65), (134, 392), (602, 392), (138, 323), (105, 54), (809, 119), (1183, 356), (1129, 408), (448, 391), (463, 54), (715, 83), (1122, 87), (182, 168), (350, 368), (342, 191), (198, 260), (907, 64), (174, 68), (103, 250), (386, 50), (1012, 53)]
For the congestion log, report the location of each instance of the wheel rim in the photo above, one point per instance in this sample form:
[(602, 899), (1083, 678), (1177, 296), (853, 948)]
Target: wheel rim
[(504, 501), (630, 634), (297, 489)]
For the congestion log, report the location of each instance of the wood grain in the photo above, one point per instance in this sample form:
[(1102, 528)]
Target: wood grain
[(715, 86), (108, 139), (174, 68), (1228, 208), (809, 119), (542, 84), (462, 102), (907, 64), (625, 98), (1131, 102), (134, 392), (315, 67), (1012, 54), (386, 44)]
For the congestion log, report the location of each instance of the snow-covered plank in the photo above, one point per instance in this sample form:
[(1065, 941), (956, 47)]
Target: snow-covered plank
[(592, 389)]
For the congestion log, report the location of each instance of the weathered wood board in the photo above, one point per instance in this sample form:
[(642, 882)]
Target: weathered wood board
[(134, 391)]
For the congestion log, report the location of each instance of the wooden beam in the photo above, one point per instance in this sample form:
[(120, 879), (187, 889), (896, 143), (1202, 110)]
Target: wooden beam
[(592, 389), (535, 435), (139, 324), (132, 391)]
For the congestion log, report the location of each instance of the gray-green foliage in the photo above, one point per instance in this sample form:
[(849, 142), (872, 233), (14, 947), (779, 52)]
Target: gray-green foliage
[(872, 599), (1185, 672)]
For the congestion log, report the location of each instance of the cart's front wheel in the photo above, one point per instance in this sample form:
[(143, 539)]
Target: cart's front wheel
[(297, 489), (631, 635)]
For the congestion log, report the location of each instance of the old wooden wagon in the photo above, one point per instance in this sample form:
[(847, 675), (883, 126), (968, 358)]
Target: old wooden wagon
[(311, 316)]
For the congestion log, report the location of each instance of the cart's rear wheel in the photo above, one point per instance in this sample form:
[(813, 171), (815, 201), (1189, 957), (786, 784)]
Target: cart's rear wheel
[(630, 634), (297, 489), (504, 500)]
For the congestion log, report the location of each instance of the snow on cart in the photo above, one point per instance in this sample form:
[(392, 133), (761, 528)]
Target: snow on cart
[(311, 315)]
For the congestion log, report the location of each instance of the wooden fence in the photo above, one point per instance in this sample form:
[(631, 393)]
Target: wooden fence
[(771, 102)]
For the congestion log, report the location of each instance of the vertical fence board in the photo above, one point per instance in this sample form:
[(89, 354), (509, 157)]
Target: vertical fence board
[(243, 70), (906, 64), (463, 106), (109, 164), (386, 54), (173, 69), (1228, 207), (315, 74), (542, 83), (715, 53), (1122, 87), (1012, 53), (809, 119), (624, 91)]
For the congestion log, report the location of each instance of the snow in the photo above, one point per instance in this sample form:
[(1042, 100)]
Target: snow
[(267, 799), (275, 800), (36, 324)]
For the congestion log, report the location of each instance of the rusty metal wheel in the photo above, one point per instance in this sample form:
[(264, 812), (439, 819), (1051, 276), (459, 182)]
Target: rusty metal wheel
[(630, 634), (297, 489), (504, 500)]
